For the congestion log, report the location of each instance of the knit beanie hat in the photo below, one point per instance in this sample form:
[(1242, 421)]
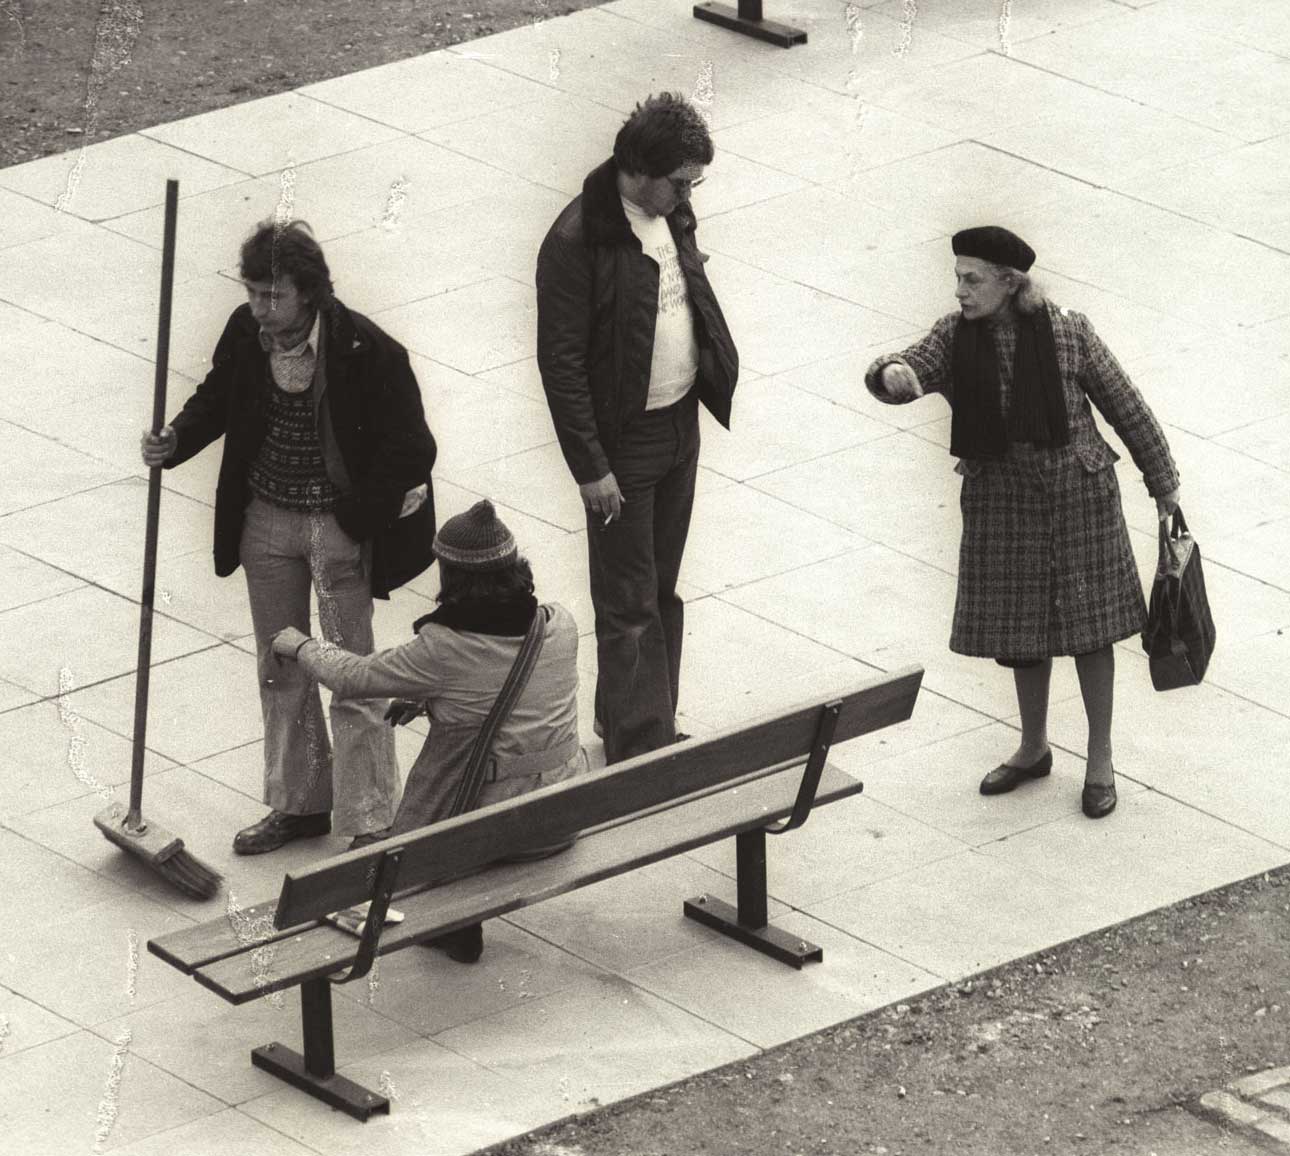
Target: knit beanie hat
[(476, 540)]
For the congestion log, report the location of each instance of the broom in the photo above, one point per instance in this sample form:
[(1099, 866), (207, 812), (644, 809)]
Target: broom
[(159, 849)]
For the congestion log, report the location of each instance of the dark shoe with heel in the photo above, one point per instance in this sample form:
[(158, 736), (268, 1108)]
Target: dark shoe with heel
[(277, 829), (1098, 799), (1005, 778), (465, 945)]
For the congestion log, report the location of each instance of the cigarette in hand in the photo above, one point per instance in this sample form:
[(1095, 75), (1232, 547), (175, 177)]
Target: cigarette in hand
[(608, 518)]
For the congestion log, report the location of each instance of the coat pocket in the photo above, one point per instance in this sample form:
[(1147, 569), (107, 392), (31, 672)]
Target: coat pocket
[(1096, 455)]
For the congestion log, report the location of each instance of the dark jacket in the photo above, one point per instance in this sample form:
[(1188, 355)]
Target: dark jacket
[(371, 426), (597, 301)]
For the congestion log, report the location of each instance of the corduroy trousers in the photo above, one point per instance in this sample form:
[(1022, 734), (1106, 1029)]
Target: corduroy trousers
[(285, 554)]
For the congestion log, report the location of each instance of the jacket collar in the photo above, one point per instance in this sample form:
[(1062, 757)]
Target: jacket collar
[(603, 219)]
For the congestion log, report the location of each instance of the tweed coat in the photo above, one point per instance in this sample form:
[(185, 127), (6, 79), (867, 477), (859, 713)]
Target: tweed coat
[(1045, 564)]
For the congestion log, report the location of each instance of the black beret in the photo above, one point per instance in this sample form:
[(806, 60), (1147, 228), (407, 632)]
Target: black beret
[(991, 243)]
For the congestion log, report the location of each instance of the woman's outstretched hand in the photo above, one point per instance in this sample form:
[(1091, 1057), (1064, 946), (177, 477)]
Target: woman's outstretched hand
[(900, 382)]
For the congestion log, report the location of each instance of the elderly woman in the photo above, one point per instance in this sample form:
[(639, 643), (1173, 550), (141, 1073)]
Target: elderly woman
[(1045, 565), (454, 669)]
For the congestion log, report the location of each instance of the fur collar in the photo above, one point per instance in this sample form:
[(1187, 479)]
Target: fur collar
[(603, 219)]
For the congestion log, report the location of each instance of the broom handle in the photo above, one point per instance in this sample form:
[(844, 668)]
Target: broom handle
[(144, 666)]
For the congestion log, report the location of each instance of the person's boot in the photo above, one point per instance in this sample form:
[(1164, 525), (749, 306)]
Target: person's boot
[(277, 829), (465, 945)]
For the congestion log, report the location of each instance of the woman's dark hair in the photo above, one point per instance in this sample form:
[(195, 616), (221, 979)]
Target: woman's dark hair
[(663, 133), (275, 250), (458, 585)]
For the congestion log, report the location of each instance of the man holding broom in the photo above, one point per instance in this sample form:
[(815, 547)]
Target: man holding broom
[(324, 482)]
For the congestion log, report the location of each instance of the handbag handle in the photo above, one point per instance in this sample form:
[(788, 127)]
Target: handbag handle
[(1169, 535)]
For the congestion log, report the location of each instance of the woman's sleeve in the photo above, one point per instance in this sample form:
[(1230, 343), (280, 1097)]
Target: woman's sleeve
[(930, 359), (406, 671), (1121, 403)]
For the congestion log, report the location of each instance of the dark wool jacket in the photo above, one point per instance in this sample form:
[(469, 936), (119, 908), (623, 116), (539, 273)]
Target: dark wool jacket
[(597, 301), (371, 426)]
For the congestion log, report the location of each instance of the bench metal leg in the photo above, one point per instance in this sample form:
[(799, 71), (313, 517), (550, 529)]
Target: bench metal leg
[(747, 923), (748, 20), (315, 1071)]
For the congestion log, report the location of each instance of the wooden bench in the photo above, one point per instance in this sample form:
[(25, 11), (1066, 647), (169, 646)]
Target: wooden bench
[(744, 782)]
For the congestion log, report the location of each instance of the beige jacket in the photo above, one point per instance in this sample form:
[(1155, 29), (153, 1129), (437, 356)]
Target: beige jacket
[(457, 674)]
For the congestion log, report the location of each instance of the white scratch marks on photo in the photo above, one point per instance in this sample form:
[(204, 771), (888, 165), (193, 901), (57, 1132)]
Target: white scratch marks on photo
[(386, 1087), (1005, 19), (553, 64), (704, 95), (76, 741), (283, 212), (907, 28), (394, 202), (855, 33), (374, 982), (13, 10), (4, 1030), (249, 930), (109, 1105), (131, 962), (119, 24)]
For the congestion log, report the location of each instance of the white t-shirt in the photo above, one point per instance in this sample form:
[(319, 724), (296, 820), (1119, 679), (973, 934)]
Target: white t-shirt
[(675, 360)]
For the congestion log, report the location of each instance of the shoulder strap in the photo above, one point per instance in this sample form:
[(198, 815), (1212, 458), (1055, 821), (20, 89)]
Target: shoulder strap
[(472, 779)]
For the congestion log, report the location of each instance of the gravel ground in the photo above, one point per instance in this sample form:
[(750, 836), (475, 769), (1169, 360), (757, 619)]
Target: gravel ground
[(72, 71)]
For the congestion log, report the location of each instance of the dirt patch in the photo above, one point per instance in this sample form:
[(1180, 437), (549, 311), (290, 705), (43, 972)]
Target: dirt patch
[(72, 71), (1097, 1046)]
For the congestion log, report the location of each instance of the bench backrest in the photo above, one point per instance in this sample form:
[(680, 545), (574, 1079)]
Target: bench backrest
[(546, 817)]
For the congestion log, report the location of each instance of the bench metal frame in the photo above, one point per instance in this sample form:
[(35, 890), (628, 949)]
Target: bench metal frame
[(315, 1071), (748, 922), (747, 18)]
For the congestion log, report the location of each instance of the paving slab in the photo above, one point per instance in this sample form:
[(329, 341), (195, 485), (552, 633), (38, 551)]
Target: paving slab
[(823, 547)]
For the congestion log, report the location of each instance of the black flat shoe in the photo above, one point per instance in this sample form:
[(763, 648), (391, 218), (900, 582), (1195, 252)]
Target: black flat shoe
[(465, 945), (1098, 799), (278, 828), (1005, 778)]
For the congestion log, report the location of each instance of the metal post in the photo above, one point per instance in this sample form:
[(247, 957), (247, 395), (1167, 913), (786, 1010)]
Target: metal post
[(750, 860), (747, 18), (315, 1010)]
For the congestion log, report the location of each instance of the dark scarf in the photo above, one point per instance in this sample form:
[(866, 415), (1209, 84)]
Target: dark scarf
[(1038, 410), (510, 617)]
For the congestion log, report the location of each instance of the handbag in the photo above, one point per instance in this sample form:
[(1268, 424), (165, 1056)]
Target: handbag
[(1179, 635)]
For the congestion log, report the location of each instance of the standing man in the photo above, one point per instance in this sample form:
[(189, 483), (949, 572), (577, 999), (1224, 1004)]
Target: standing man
[(630, 340), (324, 482)]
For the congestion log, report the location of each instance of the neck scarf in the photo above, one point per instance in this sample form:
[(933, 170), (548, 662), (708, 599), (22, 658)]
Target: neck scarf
[(508, 617), (1038, 410)]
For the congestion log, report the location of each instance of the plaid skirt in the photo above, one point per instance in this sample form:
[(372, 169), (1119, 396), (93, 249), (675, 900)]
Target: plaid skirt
[(1045, 565)]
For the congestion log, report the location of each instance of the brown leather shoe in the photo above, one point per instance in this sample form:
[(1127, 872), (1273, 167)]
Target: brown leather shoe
[(1098, 799), (277, 829), (465, 945), (1006, 778)]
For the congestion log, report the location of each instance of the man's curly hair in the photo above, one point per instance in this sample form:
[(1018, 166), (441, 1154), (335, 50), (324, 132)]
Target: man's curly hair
[(663, 133), (278, 249)]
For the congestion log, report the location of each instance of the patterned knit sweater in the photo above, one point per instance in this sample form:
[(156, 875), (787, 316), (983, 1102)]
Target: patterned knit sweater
[(289, 470)]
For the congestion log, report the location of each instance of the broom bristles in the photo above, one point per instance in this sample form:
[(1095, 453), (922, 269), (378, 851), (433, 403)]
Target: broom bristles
[(190, 875)]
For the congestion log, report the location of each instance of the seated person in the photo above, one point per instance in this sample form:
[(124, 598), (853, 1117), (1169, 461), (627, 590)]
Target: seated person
[(454, 669)]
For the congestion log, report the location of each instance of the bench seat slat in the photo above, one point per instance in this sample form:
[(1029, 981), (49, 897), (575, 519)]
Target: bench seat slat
[(324, 950), (552, 814), (194, 947)]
